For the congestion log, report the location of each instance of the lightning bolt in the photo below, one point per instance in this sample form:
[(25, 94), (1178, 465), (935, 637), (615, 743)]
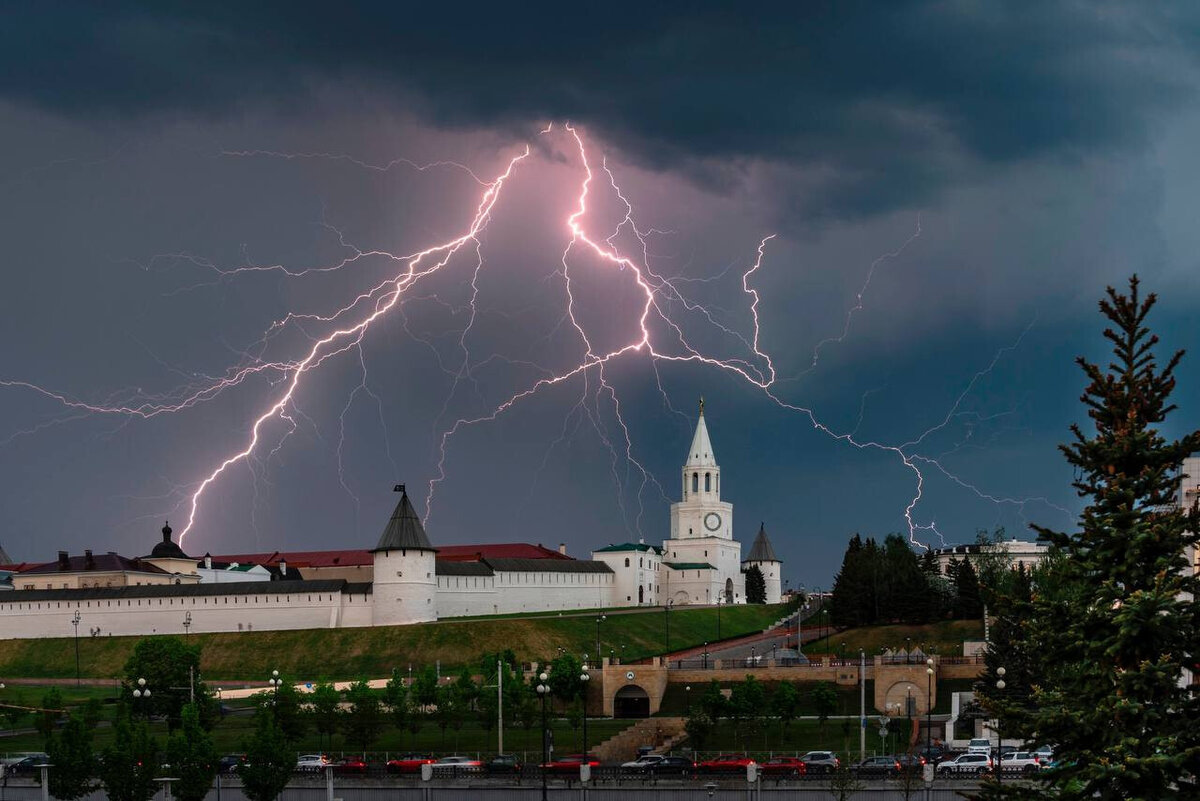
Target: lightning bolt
[(658, 336)]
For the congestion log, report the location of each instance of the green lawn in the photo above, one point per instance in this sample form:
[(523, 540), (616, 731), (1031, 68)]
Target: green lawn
[(940, 638), (350, 653)]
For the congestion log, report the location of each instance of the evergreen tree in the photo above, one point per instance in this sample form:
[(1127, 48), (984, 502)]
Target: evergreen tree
[(1114, 619), (70, 752), (968, 605), (756, 586), (906, 586), (192, 757), (51, 711), (849, 587)]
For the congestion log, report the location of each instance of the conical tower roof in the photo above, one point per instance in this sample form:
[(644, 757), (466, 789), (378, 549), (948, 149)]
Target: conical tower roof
[(404, 530), (701, 452), (761, 550), (5, 559)]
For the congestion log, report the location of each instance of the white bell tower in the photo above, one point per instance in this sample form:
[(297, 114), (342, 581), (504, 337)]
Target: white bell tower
[(404, 588), (701, 513), (702, 558)]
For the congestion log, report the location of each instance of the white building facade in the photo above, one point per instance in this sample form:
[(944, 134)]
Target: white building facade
[(699, 563)]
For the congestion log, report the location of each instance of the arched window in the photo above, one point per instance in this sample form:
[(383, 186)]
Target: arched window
[(695, 482), (708, 482), (641, 562), (626, 561)]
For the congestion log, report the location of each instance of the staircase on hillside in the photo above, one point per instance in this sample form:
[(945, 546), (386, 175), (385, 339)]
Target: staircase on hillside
[(658, 733)]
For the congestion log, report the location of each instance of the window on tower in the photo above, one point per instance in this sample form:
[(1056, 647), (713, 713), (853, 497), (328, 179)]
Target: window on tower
[(708, 482), (695, 482), (626, 561)]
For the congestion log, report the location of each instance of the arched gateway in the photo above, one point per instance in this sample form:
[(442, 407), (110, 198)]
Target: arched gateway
[(631, 701)]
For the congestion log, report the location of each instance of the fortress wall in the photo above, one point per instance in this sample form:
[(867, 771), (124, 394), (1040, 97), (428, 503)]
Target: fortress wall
[(166, 615)]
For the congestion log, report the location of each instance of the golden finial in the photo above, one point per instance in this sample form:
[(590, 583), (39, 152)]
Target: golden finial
[(701, 405)]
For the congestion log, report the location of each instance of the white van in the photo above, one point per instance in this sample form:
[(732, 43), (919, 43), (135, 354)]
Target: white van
[(980, 745)]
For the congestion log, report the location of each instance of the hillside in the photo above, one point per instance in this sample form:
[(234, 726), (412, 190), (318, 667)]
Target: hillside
[(350, 653), (942, 638)]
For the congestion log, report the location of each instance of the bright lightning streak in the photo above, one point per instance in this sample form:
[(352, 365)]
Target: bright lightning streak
[(599, 398)]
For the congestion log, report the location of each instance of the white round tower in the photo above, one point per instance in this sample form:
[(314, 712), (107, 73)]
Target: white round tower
[(762, 556), (405, 581)]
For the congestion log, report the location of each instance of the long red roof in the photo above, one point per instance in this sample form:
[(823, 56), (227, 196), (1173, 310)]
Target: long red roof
[(358, 557)]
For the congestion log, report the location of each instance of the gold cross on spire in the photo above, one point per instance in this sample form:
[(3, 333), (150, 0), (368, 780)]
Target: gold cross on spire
[(701, 405)]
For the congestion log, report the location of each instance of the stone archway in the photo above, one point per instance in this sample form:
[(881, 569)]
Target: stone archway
[(728, 590), (682, 598), (631, 701), (905, 699)]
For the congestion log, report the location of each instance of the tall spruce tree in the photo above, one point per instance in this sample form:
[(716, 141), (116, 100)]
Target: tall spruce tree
[(756, 586), (1113, 620)]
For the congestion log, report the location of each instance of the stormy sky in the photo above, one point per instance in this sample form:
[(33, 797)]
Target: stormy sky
[(190, 191)]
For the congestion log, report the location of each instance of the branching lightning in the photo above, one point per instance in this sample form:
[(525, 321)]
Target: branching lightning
[(659, 336)]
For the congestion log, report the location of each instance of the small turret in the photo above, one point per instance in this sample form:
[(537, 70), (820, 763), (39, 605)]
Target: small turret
[(762, 555)]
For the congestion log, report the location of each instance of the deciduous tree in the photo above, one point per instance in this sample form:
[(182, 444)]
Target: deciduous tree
[(192, 757), (70, 752)]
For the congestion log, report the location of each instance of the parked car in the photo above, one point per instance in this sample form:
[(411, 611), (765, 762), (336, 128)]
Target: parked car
[(570, 764), (931, 754), (1045, 754), (820, 762), (351, 766), (724, 763), (642, 763), (672, 766), (784, 766), (229, 763), (1025, 762), (16, 757), (26, 766), (409, 763), (909, 763), (312, 762), (456, 765), (885, 765), (502, 764), (966, 763), (980, 745)]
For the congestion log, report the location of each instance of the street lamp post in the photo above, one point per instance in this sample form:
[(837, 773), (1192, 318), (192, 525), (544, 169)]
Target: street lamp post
[(706, 656), (719, 599), (584, 677), (687, 692), (75, 620), (187, 624), (929, 707), (599, 619), (1000, 671), (543, 689)]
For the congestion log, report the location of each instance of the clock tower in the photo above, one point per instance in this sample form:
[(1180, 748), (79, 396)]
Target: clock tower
[(702, 530)]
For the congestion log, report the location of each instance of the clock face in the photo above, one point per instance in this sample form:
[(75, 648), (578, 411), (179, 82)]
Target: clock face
[(712, 521)]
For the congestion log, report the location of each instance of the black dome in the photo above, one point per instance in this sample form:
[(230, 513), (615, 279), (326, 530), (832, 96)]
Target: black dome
[(167, 549)]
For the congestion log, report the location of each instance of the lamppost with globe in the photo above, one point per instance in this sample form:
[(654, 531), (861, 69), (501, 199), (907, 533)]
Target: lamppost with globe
[(585, 677), (1000, 671), (142, 692), (543, 690), (599, 619)]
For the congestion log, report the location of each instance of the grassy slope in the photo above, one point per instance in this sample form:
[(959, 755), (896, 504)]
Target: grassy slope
[(350, 653), (943, 638)]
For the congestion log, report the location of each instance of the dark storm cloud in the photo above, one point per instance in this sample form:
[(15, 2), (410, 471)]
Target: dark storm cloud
[(885, 103)]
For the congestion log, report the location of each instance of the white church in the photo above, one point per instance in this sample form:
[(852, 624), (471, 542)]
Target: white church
[(404, 579)]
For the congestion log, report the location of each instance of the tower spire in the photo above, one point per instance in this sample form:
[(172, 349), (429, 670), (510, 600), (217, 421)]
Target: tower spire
[(701, 453)]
